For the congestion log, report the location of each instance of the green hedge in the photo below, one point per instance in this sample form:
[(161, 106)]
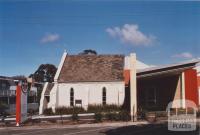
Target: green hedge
[(69, 110), (98, 117), (109, 112), (124, 115), (48, 111), (118, 116), (91, 109), (103, 108), (112, 116)]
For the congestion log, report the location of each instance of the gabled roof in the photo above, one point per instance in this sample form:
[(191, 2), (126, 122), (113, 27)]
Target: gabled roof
[(92, 68)]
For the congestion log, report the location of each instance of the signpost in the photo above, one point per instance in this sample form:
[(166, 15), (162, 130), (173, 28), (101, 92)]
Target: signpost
[(21, 102)]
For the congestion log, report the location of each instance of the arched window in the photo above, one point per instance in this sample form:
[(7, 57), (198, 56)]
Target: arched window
[(104, 96), (71, 97)]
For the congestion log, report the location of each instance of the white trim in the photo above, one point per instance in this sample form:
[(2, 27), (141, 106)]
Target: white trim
[(172, 71), (194, 62), (41, 108), (60, 66)]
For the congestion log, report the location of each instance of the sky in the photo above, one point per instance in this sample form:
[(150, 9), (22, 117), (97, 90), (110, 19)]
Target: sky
[(37, 32)]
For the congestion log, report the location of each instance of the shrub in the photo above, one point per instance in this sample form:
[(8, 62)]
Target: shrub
[(98, 117), (117, 116), (111, 108), (94, 108), (62, 110), (78, 110), (69, 110), (75, 117), (124, 115), (108, 116), (141, 113), (112, 116), (103, 108), (48, 111), (32, 112)]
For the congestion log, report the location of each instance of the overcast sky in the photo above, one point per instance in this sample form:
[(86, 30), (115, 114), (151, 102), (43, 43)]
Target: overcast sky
[(38, 31)]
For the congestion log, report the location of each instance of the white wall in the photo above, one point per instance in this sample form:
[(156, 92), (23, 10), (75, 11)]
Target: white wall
[(53, 97), (88, 92)]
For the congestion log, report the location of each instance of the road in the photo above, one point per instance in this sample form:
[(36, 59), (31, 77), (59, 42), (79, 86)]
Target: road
[(107, 130)]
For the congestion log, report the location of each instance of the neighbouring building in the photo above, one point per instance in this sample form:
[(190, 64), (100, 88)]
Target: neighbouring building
[(158, 86), (8, 94)]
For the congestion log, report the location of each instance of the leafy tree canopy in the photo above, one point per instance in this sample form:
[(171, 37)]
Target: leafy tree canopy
[(45, 73), (88, 52)]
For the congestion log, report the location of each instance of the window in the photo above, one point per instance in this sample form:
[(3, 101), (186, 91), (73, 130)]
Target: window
[(104, 96), (71, 97)]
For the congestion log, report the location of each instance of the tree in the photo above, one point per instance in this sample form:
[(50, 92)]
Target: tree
[(88, 52), (45, 73)]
